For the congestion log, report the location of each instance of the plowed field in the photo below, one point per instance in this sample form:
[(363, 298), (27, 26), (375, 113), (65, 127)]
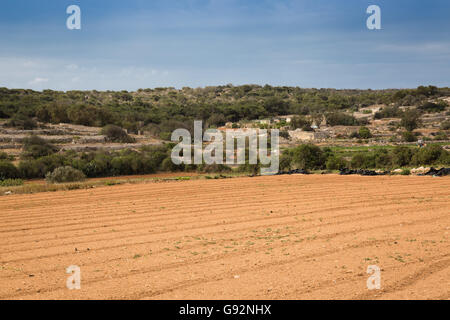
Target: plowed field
[(280, 237)]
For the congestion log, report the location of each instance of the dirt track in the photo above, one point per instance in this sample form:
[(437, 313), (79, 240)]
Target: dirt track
[(282, 237)]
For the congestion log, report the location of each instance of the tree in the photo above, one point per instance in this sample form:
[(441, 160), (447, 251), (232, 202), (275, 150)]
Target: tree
[(216, 120), (308, 156), (276, 106), (8, 170), (410, 120)]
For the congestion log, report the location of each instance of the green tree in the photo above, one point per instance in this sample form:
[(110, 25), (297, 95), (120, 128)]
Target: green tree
[(8, 170), (410, 120), (308, 156)]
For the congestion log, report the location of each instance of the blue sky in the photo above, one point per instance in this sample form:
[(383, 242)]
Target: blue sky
[(126, 45)]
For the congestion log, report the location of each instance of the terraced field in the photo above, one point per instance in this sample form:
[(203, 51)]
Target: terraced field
[(280, 237)]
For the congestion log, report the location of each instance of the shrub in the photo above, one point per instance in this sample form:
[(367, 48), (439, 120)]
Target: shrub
[(335, 163), (8, 170), (354, 135), (401, 156), (205, 168), (216, 120), (65, 174), (286, 161), (406, 172), (299, 122), (408, 136), (382, 159), (99, 166), (444, 158), (363, 161), (11, 182), (38, 168), (5, 156), (309, 157), (340, 119), (389, 112), (285, 134), (410, 120), (168, 165), (249, 168), (364, 133), (429, 155), (21, 122), (30, 169), (445, 125), (116, 134), (36, 147), (441, 135), (433, 107)]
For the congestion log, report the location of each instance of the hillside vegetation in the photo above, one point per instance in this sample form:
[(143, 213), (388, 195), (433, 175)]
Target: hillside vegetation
[(163, 109)]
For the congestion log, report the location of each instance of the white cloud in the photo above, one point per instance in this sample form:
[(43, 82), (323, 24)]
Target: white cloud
[(38, 81)]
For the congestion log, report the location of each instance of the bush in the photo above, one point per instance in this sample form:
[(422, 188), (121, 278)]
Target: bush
[(285, 134), (8, 170), (36, 147), (382, 159), (406, 172), (31, 169), (444, 159), (116, 134), (441, 135), (433, 107), (335, 163), (363, 161), (249, 168), (364, 133), (408, 136), (389, 112), (445, 125), (299, 122), (410, 120), (401, 156), (354, 135), (65, 174), (286, 161), (340, 119), (5, 156), (168, 165), (219, 168), (429, 155), (11, 182), (21, 122), (309, 157)]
